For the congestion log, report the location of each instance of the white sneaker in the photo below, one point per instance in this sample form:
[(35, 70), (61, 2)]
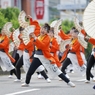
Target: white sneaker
[(93, 79), (71, 84), (48, 80), (60, 79), (87, 81), (25, 85), (10, 76), (17, 80), (67, 76), (72, 72), (40, 76)]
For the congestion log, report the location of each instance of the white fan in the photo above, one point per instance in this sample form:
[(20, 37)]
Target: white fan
[(53, 23), (82, 41), (26, 32), (89, 19), (56, 30), (63, 44), (21, 19), (77, 25), (16, 40), (6, 28), (11, 47)]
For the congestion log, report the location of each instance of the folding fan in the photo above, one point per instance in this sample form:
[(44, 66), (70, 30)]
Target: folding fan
[(89, 19), (77, 25), (26, 32), (56, 30), (6, 28), (63, 45), (82, 41), (21, 19), (16, 40)]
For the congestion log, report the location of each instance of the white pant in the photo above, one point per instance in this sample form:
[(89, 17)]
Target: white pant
[(5, 62), (26, 63), (52, 68), (73, 59)]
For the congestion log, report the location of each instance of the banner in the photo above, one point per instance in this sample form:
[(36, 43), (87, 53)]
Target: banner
[(39, 9)]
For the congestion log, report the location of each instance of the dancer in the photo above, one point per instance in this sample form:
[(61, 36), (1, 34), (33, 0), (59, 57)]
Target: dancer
[(15, 55), (5, 57), (91, 60), (75, 54), (42, 56)]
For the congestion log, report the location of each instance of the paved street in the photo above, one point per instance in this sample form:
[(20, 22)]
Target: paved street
[(41, 87)]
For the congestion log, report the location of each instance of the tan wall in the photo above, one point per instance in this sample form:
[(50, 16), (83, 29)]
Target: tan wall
[(26, 6)]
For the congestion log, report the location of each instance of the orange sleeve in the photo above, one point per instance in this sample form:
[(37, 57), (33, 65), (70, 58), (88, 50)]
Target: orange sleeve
[(92, 41), (37, 29), (63, 35), (30, 19), (30, 45), (5, 43), (11, 37), (21, 46), (55, 46), (83, 32)]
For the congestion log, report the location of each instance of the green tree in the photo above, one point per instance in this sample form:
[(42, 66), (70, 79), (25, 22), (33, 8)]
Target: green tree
[(67, 25), (2, 20), (9, 15)]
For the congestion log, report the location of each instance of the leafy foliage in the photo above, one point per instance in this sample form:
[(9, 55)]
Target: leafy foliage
[(67, 25), (9, 15)]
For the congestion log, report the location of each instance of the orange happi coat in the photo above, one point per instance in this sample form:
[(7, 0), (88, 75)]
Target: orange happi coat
[(64, 37), (30, 47), (4, 44), (44, 46), (76, 47), (22, 45), (54, 48)]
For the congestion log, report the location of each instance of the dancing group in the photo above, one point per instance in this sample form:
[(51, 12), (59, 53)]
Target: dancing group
[(36, 50)]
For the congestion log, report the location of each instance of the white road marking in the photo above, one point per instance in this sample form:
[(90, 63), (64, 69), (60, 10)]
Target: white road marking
[(20, 92)]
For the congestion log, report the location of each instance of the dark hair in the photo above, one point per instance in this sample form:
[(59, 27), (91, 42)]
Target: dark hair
[(81, 23), (67, 32), (76, 31), (21, 28), (47, 27), (73, 28)]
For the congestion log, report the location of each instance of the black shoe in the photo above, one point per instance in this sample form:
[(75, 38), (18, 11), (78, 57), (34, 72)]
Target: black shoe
[(94, 87)]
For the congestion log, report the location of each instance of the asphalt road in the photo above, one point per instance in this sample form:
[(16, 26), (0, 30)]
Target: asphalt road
[(41, 87)]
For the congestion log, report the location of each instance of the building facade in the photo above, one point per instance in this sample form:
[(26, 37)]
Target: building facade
[(48, 10)]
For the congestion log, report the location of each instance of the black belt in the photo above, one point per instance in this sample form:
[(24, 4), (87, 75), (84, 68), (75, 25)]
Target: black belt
[(2, 50), (38, 52), (26, 51), (72, 52)]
